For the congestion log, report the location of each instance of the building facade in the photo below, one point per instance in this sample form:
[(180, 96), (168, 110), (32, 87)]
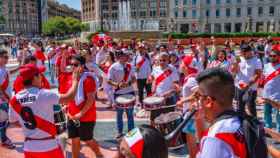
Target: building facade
[(52, 8), (126, 15), (21, 16), (226, 15)]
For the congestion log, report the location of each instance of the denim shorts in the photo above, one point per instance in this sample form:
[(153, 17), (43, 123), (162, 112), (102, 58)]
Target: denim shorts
[(189, 128)]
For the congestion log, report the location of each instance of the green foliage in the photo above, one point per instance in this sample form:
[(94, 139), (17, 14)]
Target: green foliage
[(61, 26), (223, 35), (2, 19)]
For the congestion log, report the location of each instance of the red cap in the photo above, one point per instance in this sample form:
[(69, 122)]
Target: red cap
[(28, 71), (193, 46), (188, 62)]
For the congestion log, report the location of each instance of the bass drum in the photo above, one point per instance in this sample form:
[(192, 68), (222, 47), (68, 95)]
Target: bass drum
[(166, 123)]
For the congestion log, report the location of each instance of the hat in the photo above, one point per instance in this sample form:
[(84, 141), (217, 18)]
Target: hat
[(245, 48), (28, 71), (188, 62)]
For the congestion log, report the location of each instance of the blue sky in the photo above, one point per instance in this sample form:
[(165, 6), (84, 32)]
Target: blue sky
[(72, 3)]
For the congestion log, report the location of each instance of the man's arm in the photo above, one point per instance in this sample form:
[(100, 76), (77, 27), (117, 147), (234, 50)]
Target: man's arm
[(65, 98), (90, 100)]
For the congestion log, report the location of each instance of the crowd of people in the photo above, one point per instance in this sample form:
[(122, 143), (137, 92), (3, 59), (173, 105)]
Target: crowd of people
[(217, 80)]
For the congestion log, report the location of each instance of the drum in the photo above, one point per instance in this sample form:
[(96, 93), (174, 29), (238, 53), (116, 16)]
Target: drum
[(59, 119), (125, 101), (166, 123), (153, 103)]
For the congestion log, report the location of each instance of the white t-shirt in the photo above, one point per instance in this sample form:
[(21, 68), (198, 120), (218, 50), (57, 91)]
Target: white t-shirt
[(145, 69), (212, 147), (3, 78), (247, 69), (272, 87), (166, 84), (188, 87), (41, 102), (100, 56), (116, 74)]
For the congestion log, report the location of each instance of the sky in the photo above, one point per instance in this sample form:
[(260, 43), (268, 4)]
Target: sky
[(76, 4)]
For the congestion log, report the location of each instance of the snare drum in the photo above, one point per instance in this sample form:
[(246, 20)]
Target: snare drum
[(125, 101), (153, 103), (166, 123), (59, 119)]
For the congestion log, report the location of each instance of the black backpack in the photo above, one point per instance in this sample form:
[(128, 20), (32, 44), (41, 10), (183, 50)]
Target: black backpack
[(254, 134)]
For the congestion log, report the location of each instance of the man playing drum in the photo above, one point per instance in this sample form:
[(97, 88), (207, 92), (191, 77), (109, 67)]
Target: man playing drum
[(33, 108), (165, 83), (121, 77)]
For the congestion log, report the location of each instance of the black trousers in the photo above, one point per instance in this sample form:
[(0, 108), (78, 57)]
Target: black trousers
[(250, 101), (141, 85)]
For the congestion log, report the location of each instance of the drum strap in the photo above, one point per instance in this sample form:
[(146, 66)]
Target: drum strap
[(162, 77), (41, 124), (127, 69), (140, 63), (272, 76)]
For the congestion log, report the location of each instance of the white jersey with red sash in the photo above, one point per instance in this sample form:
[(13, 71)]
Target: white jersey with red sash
[(143, 64), (271, 81), (223, 140), (190, 84), (33, 108), (164, 79), (6, 90), (121, 73)]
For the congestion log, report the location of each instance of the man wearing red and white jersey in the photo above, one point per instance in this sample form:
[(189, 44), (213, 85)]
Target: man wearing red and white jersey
[(82, 110), (224, 138), (33, 108), (143, 66), (271, 81), (166, 79), (5, 94)]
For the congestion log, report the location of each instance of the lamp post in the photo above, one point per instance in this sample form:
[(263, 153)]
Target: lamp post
[(101, 16)]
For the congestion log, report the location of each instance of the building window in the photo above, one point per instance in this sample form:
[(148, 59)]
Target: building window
[(228, 1), (238, 1), (194, 14), (227, 27), (162, 13), (176, 2), (228, 12), (218, 1), (153, 13), (217, 13), (193, 2), (238, 27), (176, 13), (185, 28), (260, 11), (185, 13), (207, 13), (249, 11), (208, 1), (142, 13), (259, 27), (185, 2), (271, 11), (217, 28), (238, 12)]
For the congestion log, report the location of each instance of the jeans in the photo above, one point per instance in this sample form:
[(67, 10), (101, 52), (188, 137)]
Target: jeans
[(141, 84), (250, 101), (52, 72), (129, 114), (268, 110), (14, 52), (3, 125)]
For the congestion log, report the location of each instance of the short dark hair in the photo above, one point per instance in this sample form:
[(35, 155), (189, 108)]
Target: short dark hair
[(29, 58), (219, 84), (79, 58), (3, 52), (155, 145)]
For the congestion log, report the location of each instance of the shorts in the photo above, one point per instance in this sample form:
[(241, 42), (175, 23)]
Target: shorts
[(84, 131), (55, 153), (189, 127)]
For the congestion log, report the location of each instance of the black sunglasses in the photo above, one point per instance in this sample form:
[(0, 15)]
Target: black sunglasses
[(75, 65)]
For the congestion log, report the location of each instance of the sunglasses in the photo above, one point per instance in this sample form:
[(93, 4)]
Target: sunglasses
[(74, 65), (163, 60)]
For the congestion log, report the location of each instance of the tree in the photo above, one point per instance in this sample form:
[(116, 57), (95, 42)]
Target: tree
[(2, 19), (60, 25)]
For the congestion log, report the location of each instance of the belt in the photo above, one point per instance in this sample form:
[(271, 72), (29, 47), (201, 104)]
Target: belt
[(46, 138)]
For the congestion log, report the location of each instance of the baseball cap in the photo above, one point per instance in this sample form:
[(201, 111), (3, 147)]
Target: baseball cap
[(28, 71), (188, 62)]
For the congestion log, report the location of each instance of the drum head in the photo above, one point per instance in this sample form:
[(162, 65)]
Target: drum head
[(125, 99), (153, 100), (166, 118), (3, 116)]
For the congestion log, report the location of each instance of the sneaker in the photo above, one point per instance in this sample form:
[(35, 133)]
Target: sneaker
[(8, 144)]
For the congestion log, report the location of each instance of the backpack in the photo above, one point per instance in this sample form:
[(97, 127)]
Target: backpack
[(254, 134)]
